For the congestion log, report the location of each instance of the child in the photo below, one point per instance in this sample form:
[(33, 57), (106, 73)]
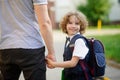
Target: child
[(73, 23)]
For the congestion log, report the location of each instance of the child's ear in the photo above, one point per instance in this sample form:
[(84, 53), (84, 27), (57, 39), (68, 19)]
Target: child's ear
[(65, 31)]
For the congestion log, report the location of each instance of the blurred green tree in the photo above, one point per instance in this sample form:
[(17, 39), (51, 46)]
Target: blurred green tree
[(95, 10)]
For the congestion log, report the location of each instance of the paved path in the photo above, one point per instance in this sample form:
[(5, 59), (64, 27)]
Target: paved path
[(59, 38)]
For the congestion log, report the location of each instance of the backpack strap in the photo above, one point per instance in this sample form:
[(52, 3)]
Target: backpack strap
[(83, 65)]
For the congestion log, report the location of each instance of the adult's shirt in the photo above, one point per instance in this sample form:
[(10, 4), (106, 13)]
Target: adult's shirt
[(18, 24)]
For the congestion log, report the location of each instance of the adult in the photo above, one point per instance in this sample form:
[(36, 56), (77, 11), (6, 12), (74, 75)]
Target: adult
[(24, 24)]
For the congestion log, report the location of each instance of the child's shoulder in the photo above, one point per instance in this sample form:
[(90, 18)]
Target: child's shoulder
[(77, 38)]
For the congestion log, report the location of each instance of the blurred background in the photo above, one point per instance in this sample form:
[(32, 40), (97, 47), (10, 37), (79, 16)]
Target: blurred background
[(108, 11)]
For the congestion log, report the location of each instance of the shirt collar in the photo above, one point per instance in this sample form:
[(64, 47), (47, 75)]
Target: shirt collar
[(73, 35)]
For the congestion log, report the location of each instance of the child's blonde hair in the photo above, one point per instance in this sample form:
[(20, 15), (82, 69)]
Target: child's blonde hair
[(80, 16)]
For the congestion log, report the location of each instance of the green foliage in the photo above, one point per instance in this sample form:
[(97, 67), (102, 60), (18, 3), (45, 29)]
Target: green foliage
[(112, 46), (96, 9)]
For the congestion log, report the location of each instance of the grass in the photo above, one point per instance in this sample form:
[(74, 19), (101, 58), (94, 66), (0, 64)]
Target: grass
[(106, 27), (112, 46)]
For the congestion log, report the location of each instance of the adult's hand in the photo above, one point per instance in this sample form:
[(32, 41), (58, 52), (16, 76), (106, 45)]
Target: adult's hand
[(51, 57)]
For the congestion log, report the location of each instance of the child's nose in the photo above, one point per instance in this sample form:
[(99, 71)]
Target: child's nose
[(73, 25)]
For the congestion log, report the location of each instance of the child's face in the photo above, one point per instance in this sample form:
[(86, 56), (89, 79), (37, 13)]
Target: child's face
[(73, 26)]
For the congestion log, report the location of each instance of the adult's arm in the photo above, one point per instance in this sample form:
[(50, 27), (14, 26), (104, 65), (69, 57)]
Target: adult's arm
[(45, 29)]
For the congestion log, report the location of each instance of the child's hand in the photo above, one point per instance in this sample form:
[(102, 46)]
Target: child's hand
[(50, 63)]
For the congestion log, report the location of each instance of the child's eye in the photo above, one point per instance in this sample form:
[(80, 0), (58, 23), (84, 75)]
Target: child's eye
[(77, 23), (69, 22)]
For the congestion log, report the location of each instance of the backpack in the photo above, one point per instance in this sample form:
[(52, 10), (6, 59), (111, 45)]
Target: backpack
[(95, 59)]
